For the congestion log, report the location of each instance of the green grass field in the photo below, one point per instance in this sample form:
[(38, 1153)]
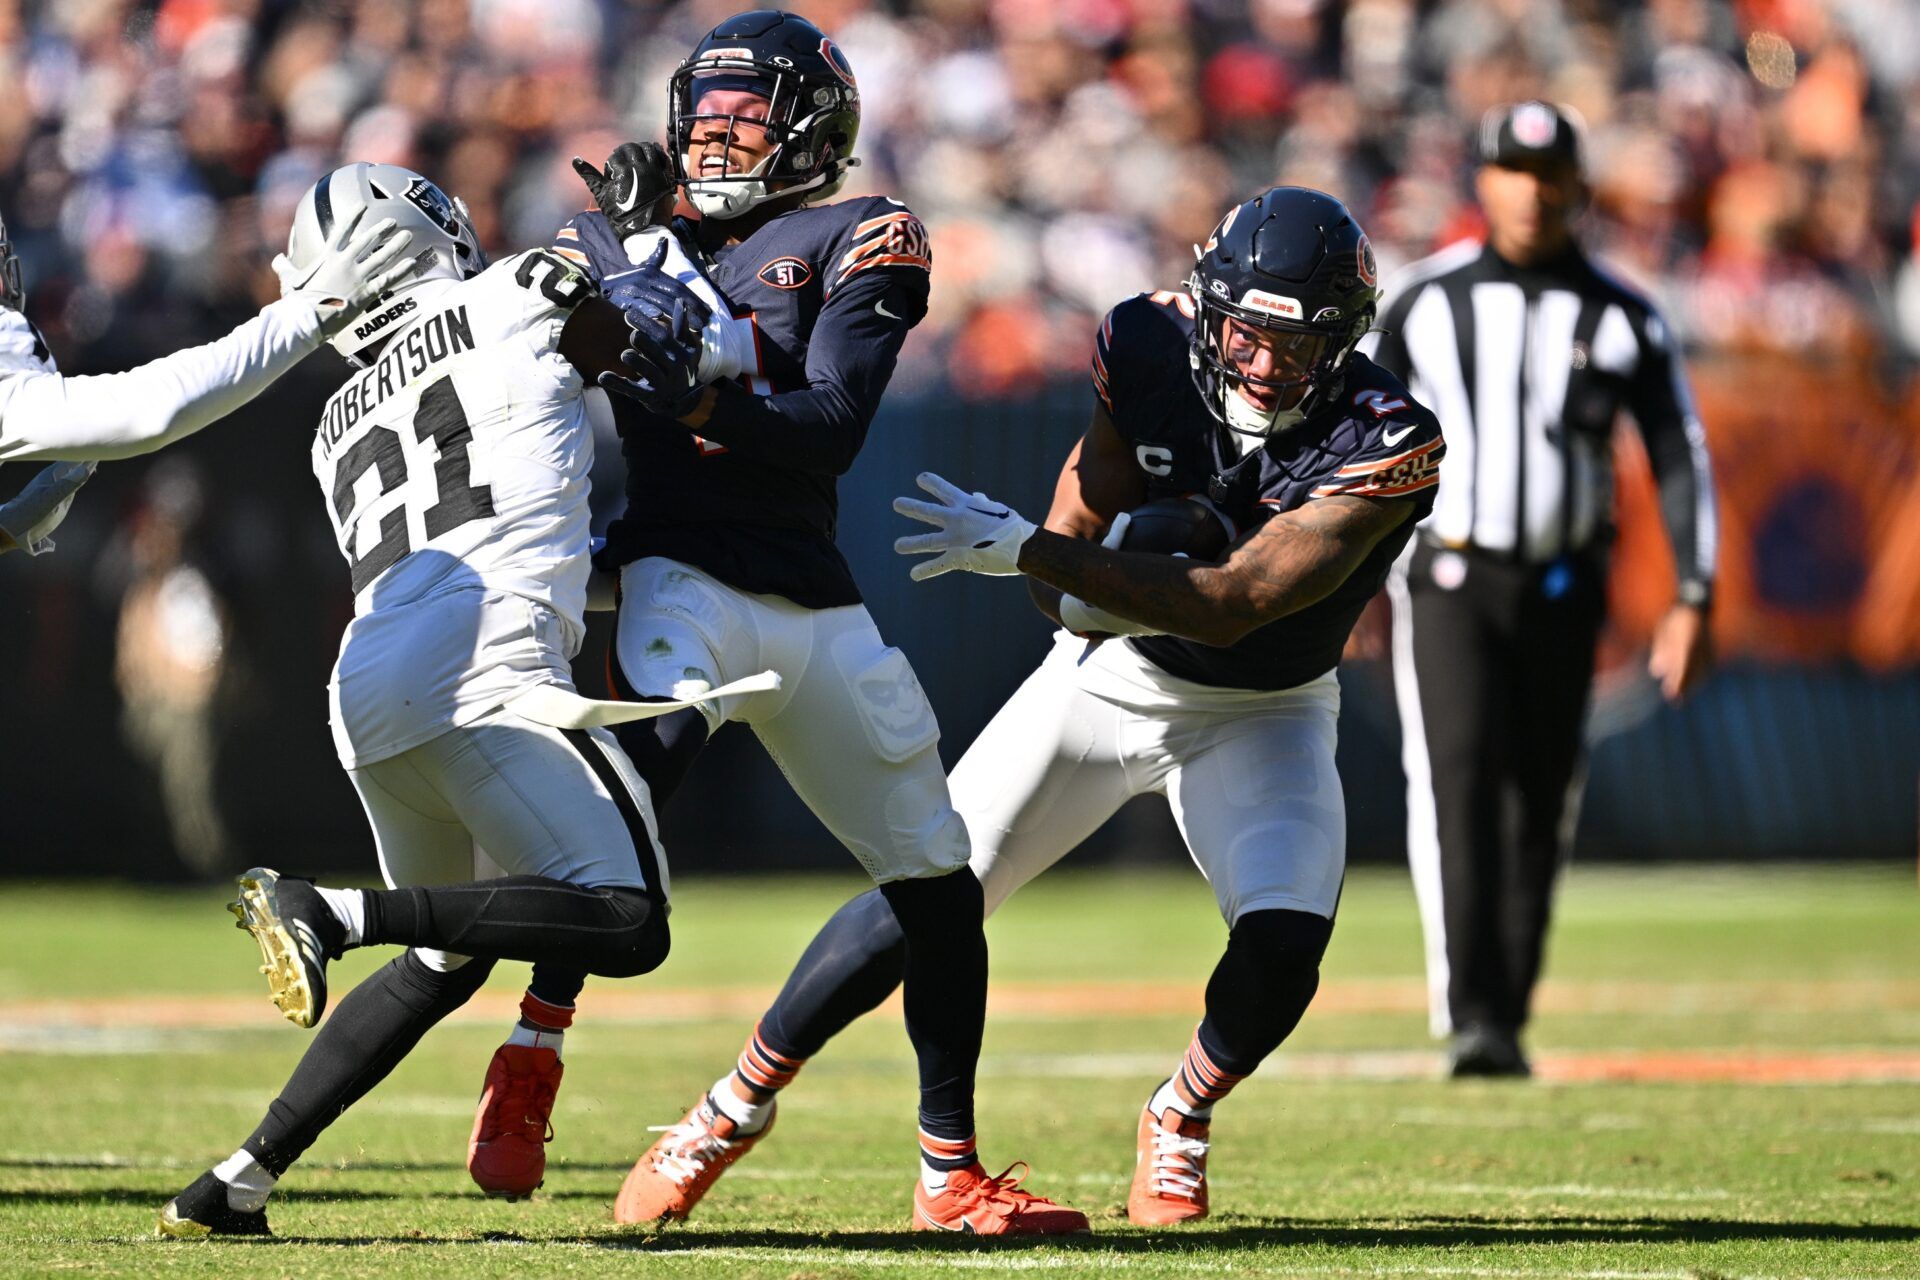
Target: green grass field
[(1730, 1066)]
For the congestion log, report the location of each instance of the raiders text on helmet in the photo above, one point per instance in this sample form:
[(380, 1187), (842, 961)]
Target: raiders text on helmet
[(813, 109), (444, 242), (1292, 271)]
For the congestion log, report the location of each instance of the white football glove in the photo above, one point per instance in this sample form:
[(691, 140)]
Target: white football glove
[(371, 261), (1084, 619), (971, 531), (31, 518)]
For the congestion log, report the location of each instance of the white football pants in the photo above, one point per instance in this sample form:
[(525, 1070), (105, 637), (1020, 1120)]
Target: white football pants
[(1252, 785), (506, 796), (849, 726)]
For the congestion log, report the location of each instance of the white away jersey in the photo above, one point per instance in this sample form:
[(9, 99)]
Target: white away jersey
[(22, 349), (455, 473)]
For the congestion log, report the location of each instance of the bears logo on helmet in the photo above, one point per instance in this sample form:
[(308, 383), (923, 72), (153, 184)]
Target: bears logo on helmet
[(837, 61)]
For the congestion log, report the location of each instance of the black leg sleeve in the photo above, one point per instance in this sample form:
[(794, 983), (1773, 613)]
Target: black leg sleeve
[(371, 1030), (614, 932), (1262, 986), (852, 964), (943, 919)]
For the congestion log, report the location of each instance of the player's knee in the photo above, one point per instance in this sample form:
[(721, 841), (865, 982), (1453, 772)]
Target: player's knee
[(637, 941), (441, 961), (929, 837), (1282, 947), (442, 978), (938, 906)]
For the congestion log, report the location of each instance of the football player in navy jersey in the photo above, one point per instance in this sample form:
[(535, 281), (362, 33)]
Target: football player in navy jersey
[(771, 325), (1213, 682)]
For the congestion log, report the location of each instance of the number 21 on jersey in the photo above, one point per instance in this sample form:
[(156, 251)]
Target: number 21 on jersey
[(426, 462)]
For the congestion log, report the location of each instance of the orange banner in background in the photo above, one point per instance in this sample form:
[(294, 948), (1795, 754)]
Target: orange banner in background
[(1817, 473)]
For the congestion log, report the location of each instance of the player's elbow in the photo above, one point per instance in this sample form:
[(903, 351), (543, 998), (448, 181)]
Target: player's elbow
[(1221, 632)]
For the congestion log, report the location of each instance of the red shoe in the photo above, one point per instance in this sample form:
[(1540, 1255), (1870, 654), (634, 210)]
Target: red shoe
[(1169, 1170), (507, 1154), (668, 1181), (973, 1203)]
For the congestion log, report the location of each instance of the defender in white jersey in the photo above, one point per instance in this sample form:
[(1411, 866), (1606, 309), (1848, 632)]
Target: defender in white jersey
[(80, 421), (454, 466)]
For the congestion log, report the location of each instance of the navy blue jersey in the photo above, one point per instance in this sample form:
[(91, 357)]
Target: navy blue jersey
[(749, 494), (1373, 440)]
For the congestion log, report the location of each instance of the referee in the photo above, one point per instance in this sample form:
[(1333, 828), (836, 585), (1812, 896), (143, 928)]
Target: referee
[(1527, 350)]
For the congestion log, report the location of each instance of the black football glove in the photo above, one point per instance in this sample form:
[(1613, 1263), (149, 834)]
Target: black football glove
[(666, 326), (635, 190)]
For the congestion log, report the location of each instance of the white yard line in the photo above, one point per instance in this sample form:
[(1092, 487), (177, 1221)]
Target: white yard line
[(1183, 1261)]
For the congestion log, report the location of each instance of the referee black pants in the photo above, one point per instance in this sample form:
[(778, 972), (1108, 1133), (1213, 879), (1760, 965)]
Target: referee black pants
[(1492, 666)]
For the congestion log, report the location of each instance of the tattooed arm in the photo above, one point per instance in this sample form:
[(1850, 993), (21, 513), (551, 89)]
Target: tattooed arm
[(1294, 560)]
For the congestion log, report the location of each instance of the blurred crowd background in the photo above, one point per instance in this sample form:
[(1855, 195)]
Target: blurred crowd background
[(1755, 167), (1756, 164)]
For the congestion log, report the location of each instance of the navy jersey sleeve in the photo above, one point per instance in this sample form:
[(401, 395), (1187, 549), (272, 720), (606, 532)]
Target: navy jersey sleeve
[(1397, 450), (1140, 355), (587, 242), (876, 293)]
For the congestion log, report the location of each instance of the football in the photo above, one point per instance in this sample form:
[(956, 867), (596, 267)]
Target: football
[(1177, 526)]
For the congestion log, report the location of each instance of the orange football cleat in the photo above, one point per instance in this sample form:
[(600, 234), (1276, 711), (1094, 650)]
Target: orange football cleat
[(668, 1181), (507, 1154), (973, 1203), (1170, 1170)]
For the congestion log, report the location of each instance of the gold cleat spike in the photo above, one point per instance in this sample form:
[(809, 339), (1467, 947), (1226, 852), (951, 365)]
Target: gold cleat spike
[(259, 912), (174, 1227)]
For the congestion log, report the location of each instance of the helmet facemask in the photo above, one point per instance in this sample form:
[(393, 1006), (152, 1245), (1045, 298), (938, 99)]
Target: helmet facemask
[(13, 293), (797, 110), (1301, 369)]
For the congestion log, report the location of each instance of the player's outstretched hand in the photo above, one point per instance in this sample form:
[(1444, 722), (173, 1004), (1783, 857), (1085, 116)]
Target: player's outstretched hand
[(30, 519), (636, 191), (360, 265), (971, 531)]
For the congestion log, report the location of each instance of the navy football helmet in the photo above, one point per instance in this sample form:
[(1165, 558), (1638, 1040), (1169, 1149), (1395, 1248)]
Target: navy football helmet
[(1283, 290), (813, 109)]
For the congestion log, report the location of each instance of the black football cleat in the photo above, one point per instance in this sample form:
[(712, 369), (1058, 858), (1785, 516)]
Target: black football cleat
[(202, 1210), (1486, 1052), (298, 933)]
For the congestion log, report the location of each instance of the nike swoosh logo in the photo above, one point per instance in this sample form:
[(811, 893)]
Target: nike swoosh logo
[(881, 307), (633, 192), (1391, 438), (1002, 514)]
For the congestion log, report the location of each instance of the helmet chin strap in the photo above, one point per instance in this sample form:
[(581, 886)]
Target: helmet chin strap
[(1245, 419), (733, 197)]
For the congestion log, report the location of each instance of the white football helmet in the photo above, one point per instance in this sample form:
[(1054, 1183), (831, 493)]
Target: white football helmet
[(12, 292), (444, 243)]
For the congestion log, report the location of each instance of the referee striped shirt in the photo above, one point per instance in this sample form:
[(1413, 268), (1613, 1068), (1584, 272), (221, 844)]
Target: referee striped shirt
[(1527, 369)]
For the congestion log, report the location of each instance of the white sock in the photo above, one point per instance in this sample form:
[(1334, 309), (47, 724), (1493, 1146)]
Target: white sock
[(248, 1185), (748, 1117), (931, 1178), (1166, 1096), (349, 908), (536, 1037)]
